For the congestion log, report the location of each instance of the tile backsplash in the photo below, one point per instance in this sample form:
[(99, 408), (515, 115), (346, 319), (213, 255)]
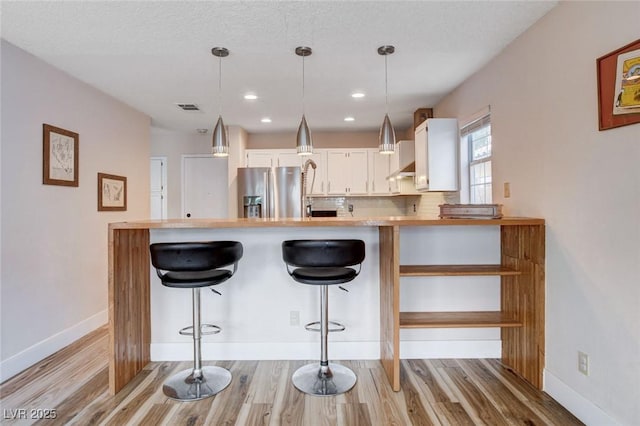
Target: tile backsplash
[(424, 205)]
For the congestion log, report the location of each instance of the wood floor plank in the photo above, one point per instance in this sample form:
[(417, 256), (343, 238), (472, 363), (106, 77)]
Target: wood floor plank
[(416, 408), (70, 407), (325, 405), (430, 383), (225, 410), (452, 413), (500, 395), (475, 403), (448, 392), (259, 415), (289, 406), (353, 415)]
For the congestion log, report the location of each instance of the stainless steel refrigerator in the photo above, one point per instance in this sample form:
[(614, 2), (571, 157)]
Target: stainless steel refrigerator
[(269, 194)]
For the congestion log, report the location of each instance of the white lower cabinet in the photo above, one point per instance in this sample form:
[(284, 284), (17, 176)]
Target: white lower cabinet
[(347, 172)]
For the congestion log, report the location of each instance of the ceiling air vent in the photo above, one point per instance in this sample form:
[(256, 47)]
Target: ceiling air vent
[(188, 107)]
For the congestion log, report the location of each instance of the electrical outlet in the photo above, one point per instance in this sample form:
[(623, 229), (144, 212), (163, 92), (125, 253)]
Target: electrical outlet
[(294, 318), (350, 208), (507, 190), (583, 363), (414, 208)]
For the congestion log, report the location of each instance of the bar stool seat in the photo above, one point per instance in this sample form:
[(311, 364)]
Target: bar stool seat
[(195, 265), (323, 263)]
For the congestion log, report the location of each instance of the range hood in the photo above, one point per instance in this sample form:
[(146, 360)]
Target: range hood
[(403, 160)]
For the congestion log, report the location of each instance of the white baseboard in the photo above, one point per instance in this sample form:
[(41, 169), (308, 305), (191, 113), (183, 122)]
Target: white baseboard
[(25, 359), (582, 408), (411, 349), (337, 350)]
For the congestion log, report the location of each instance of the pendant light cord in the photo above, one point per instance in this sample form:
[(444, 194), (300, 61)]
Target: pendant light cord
[(303, 85), (386, 88), (220, 86)]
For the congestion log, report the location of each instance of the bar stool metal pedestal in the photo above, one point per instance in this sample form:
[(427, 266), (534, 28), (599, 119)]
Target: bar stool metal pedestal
[(323, 263), (195, 265)]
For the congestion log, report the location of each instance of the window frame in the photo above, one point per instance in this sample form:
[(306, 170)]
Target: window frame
[(466, 132)]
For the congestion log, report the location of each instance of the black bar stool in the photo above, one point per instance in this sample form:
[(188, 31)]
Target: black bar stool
[(323, 263), (196, 265)]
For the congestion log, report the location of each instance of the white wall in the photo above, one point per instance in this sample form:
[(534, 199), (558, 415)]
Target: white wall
[(585, 183), (54, 257)]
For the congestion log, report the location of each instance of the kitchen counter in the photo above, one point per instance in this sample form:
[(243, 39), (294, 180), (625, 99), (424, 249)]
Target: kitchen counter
[(520, 270), (321, 221)]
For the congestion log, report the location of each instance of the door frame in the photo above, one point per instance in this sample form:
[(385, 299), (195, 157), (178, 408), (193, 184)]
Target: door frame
[(165, 210)]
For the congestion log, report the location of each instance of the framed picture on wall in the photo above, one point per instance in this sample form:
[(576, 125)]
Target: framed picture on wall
[(59, 156), (619, 87), (112, 193)]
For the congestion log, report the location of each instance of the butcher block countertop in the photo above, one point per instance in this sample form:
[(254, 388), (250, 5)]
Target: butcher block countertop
[(321, 221)]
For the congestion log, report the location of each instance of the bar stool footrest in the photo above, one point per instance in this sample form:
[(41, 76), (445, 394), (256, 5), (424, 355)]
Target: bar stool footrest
[(315, 326), (205, 330)]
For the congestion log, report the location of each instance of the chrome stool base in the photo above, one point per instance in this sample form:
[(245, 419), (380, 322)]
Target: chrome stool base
[(314, 379), (183, 386)]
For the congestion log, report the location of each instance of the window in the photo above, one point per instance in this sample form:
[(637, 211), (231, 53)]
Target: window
[(477, 136)]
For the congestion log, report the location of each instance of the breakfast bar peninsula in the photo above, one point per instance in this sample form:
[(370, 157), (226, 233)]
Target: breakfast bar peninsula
[(396, 248)]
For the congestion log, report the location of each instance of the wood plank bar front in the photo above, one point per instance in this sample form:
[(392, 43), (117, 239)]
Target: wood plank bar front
[(523, 297), (522, 250), (390, 303), (129, 305)]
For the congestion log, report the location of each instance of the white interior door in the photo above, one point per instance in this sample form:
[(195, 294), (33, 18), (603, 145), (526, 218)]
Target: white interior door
[(205, 188), (158, 189)]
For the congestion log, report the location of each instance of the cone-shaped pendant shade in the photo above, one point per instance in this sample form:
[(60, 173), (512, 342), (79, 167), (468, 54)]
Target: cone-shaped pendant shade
[(220, 144), (304, 144), (387, 137)]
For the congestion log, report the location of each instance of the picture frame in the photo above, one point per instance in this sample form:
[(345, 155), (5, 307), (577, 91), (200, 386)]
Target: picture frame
[(112, 193), (60, 158), (611, 69)]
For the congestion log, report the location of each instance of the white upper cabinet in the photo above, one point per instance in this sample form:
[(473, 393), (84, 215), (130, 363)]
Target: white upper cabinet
[(261, 158), (379, 169), (437, 143), (320, 181), (347, 172), (289, 159)]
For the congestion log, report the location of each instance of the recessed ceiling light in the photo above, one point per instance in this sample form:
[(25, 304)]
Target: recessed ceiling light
[(349, 119), (357, 95), (266, 120), (250, 97)]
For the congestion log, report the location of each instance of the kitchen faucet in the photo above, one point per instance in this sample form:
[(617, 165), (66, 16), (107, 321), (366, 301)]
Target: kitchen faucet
[(305, 198)]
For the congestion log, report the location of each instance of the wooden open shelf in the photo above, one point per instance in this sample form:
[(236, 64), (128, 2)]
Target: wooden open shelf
[(456, 320), (455, 270)]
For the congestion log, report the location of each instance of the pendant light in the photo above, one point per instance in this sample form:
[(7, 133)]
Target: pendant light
[(304, 144), (220, 143), (387, 144)]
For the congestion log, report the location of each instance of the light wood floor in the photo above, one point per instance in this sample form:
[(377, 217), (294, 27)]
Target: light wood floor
[(74, 382)]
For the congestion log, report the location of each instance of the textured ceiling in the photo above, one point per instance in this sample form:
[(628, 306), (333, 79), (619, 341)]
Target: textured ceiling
[(154, 54)]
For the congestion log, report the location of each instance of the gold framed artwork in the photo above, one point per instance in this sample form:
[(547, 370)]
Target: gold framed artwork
[(619, 87), (59, 156), (112, 193)]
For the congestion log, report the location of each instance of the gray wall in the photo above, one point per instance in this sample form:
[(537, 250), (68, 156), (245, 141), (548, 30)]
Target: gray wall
[(585, 183), (54, 241)]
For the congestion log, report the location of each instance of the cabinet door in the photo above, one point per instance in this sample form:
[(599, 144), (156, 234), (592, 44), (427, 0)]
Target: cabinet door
[(338, 173), (359, 172), (260, 158), (422, 182), (437, 143), (290, 159), (378, 172), (320, 181)]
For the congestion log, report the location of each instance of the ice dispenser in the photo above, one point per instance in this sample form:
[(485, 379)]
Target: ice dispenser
[(252, 206)]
